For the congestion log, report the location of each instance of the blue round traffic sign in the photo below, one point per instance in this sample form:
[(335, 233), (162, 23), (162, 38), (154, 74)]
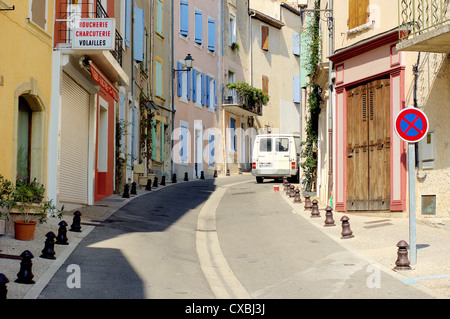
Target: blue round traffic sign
[(411, 125)]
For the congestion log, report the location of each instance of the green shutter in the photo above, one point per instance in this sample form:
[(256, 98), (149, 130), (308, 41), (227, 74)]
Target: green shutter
[(153, 129), (162, 141)]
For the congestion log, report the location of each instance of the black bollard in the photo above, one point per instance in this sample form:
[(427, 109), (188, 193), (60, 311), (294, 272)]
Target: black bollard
[(186, 178), (288, 188), (329, 221), (285, 182), (297, 198), (174, 178), (133, 189), (76, 223), (292, 191), (402, 262), (240, 171), (308, 201), (155, 182), (25, 275), (215, 173), (61, 239), (148, 187), (202, 175), (228, 172), (315, 209), (3, 290), (346, 231), (126, 191), (163, 180), (49, 248)]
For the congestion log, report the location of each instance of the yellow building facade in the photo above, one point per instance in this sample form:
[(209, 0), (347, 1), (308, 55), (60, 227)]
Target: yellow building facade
[(25, 87)]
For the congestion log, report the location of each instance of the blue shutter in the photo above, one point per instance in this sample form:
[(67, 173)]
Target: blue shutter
[(139, 27), (162, 142), (179, 78), (198, 27), (203, 89), (136, 133), (208, 92), (296, 43), (183, 142), (296, 89), (159, 17), (215, 95), (194, 85), (211, 34), (127, 22), (188, 85), (233, 133), (211, 150), (184, 18)]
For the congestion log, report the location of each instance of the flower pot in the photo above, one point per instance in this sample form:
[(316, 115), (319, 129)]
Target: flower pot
[(24, 230)]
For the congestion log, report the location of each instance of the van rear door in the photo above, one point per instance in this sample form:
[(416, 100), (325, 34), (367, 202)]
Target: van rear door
[(282, 155), (265, 156)]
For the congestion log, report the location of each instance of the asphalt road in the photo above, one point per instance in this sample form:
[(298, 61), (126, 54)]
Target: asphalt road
[(210, 239)]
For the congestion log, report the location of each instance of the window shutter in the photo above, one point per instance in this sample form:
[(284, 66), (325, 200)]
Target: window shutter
[(162, 142), (179, 78), (127, 22), (194, 85), (357, 13), (296, 43), (159, 17), (158, 79), (203, 89), (184, 18), (198, 27), (153, 136), (136, 133), (215, 95), (264, 37), (211, 34), (184, 149), (139, 34), (265, 84), (296, 89), (188, 85), (208, 91), (211, 150)]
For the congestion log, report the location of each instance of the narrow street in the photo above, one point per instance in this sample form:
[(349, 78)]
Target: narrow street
[(170, 245)]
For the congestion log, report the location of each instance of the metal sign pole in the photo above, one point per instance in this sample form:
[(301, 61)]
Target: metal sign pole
[(412, 203)]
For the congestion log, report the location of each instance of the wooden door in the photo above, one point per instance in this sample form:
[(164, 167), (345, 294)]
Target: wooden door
[(368, 147)]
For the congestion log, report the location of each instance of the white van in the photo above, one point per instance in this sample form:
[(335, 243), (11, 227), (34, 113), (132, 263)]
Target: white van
[(276, 156)]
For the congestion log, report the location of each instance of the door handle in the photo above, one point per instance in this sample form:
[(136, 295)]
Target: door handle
[(350, 155)]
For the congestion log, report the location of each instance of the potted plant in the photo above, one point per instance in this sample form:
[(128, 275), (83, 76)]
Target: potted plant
[(27, 200), (235, 46)]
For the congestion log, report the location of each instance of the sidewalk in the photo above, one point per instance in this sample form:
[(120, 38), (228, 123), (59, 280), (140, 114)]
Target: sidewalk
[(375, 239)]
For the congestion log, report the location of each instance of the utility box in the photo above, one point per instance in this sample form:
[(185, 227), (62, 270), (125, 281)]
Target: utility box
[(428, 151)]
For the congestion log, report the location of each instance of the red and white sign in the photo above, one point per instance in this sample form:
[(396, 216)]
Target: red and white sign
[(94, 34), (98, 77), (411, 125)]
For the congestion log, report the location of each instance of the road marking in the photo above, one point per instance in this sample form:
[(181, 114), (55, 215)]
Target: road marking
[(412, 281), (213, 263)]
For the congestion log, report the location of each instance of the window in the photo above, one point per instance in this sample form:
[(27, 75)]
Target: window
[(184, 18), (23, 138), (296, 89), (233, 134), (282, 145), (232, 29), (211, 145), (296, 44), (198, 27), (357, 13), (159, 77), (265, 37), (211, 34), (38, 12), (265, 145), (159, 17)]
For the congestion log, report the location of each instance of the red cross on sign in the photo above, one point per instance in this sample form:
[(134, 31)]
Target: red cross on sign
[(411, 125)]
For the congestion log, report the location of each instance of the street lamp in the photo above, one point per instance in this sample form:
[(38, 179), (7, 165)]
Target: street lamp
[(188, 62)]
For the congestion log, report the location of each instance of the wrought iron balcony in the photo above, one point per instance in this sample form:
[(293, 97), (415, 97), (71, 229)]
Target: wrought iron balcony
[(69, 12), (237, 103), (424, 25)]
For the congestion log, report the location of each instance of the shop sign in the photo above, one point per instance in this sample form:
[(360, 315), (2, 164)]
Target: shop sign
[(94, 34), (103, 82)]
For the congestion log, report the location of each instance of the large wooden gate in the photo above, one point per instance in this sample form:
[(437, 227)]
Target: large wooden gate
[(368, 147)]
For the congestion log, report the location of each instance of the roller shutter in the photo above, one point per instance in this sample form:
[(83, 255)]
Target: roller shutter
[(73, 170)]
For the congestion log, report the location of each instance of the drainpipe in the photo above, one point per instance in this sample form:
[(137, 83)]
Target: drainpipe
[(172, 169), (133, 120), (330, 103)]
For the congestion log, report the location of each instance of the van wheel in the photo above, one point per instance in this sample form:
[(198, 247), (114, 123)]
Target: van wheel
[(259, 179)]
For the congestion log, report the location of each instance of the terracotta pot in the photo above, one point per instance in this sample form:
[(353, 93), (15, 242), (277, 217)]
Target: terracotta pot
[(23, 230)]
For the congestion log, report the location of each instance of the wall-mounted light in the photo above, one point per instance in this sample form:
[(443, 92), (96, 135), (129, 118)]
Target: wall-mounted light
[(188, 62)]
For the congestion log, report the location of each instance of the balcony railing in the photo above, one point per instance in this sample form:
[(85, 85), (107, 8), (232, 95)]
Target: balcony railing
[(419, 16), (232, 97), (66, 15)]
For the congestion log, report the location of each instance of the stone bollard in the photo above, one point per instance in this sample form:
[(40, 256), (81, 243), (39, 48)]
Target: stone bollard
[(297, 198), (163, 180), (329, 221), (148, 187), (49, 248), (402, 262), (315, 209), (155, 182), (3, 290), (284, 183), (307, 201), (186, 178), (291, 191), (126, 191), (288, 188), (215, 173), (25, 275), (202, 175), (346, 231), (61, 239), (228, 172), (133, 189), (240, 171), (76, 223), (174, 178)]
